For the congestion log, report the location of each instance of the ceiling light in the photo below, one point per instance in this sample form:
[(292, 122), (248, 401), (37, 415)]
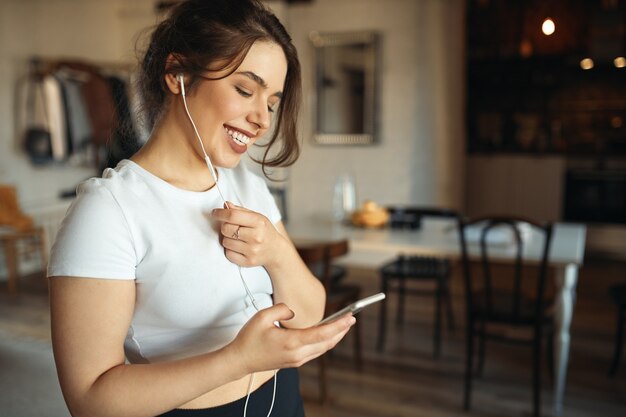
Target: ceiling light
[(619, 62), (586, 63), (548, 27)]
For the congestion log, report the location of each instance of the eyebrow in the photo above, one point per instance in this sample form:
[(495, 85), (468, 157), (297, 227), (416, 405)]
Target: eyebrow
[(254, 77)]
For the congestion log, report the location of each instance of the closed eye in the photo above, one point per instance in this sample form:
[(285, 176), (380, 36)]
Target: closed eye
[(246, 94), (242, 92)]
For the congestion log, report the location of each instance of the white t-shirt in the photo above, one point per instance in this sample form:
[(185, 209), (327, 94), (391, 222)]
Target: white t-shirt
[(132, 225)]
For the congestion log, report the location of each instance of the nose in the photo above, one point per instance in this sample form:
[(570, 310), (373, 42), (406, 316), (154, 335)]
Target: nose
[(260, 115)]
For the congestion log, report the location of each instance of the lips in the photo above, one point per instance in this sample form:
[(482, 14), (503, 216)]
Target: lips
[(238, 136), (237, 140)]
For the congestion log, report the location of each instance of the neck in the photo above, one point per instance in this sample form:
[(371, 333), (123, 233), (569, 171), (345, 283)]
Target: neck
[(170, 155)]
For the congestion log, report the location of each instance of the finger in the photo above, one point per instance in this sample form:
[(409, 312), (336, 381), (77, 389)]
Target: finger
[(245, 218), (236, 245), (237, 258), (233, 231), (324, 332), (278, 312), (231, 205)]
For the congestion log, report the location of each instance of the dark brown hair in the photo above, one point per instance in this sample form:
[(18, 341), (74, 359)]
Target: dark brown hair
[(217, 34)]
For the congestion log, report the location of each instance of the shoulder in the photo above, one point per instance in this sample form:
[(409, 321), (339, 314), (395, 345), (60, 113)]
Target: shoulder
[(114, 188), (95, 239)]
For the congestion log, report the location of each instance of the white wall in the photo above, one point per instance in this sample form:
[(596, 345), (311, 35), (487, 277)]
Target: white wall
[(419, 159), (102, 31), (420, 156)]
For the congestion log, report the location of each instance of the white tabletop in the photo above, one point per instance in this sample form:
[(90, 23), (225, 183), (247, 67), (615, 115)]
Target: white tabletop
[(372, 247)]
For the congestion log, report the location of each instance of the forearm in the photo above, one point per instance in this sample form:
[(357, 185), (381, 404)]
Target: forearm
[(151, 389), (297, 287)]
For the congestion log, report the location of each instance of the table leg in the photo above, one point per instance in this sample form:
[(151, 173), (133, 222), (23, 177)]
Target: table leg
[(565, 298), (10, 255)]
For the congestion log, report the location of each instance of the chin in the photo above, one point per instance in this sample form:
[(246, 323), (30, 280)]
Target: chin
[(230, 162)]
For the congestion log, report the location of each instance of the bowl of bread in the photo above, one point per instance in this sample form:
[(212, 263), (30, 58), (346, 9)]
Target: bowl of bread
[(370, 214)]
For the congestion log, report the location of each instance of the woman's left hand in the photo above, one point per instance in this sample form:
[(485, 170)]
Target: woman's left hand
[(249, 238)]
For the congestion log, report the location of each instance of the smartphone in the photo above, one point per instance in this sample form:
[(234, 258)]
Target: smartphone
[(355, 307)]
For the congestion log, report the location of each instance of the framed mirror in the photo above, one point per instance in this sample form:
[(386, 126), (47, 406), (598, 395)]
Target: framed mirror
[(346, 88)]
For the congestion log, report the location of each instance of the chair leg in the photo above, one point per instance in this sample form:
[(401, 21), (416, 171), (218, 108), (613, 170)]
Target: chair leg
[(382, 319), (469, 364), (437, 338), (449, 311), (550, 353), (10, 255), (619, 339), (401, 296), (537, 372), (481, 348)]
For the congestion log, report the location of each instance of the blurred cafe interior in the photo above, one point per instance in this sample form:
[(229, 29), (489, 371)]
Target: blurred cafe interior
[(466, 157)]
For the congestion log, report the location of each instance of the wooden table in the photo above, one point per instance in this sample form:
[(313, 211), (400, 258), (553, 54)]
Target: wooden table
[(370, 248)]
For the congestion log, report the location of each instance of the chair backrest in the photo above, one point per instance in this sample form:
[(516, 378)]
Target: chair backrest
[(496, 231), (10, 212), (410, 217), (8, 199), (319, 258), (280, 196)]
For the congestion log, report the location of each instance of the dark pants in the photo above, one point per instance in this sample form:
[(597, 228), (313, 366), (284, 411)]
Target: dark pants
[(287, 403)]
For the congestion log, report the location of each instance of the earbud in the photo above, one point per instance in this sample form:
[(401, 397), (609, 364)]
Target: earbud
[(181, 81)]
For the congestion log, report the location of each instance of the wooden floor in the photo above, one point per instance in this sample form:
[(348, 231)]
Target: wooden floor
[(405, 380)]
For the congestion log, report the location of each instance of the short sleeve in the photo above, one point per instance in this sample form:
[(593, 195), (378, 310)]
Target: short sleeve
[(94, 240), (273, 212), (253, 192)]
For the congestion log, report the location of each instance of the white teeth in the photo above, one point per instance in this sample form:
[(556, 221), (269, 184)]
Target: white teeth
[(238, 137)]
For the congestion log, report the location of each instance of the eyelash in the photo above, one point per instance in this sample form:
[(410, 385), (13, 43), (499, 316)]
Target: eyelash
[(247, 95)]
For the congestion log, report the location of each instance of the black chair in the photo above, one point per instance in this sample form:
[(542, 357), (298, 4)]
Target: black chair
[(505, 307), (618, 295), (280, 196), (395, 274), (319, 258)]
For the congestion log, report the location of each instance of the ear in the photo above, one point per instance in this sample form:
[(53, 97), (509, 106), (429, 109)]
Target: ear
[(170, 78), (172, 83)]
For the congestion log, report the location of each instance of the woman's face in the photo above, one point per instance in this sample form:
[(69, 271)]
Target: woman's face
[(234, 112)]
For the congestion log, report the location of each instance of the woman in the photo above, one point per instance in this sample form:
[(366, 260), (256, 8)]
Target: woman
[(165, 300)]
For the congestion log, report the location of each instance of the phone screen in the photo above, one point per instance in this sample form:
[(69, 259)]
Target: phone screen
[(355, 307)]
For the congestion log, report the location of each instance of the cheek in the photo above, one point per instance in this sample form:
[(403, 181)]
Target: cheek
[(232, 109)]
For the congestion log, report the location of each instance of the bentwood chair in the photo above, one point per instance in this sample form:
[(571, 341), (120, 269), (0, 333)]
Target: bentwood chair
[(503, 304), (19, 238), (319, 258), (418, 269)]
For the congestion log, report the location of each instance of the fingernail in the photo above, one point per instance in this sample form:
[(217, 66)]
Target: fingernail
[(352, 320)]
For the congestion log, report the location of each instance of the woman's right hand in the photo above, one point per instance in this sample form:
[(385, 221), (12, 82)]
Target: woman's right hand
[(262, 346)]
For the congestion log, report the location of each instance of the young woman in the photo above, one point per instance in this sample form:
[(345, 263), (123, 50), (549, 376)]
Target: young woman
[(166, 300)]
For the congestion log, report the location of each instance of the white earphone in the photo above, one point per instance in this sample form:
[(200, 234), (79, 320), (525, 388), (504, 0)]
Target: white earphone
[(181, 81)]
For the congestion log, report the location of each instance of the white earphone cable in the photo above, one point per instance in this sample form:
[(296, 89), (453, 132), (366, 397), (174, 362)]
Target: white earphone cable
[(243, 281), (214, 175)]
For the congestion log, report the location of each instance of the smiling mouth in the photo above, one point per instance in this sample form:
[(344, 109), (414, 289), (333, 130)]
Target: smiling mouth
[(237, 136)]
